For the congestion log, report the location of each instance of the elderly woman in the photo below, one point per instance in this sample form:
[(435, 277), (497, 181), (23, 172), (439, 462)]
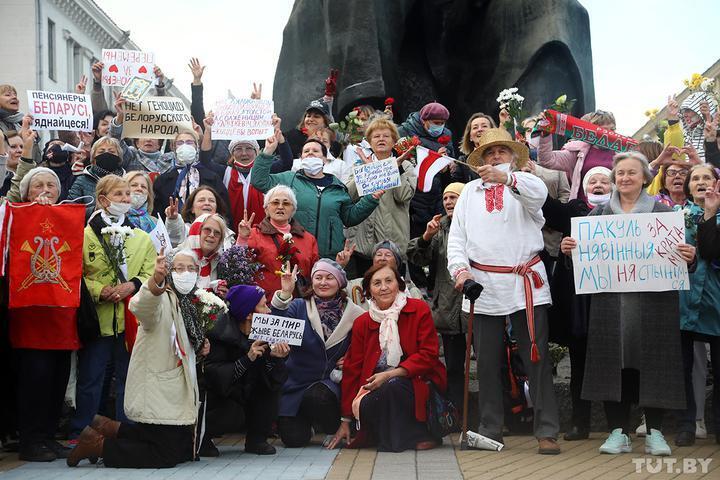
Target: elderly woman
[(393, 354), (141, 200), (279, 238), (117, 259), (627, 330), (105, 159), (576, 157), (700, 306), (203, 201), (243, 377), (162, 390), (42, 339), (391, 219), (206, 237), (186, 175), (316, 117), (324, 206), (311, 394)]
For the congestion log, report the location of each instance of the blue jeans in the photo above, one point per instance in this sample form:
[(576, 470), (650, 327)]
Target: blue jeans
[(93, 359)]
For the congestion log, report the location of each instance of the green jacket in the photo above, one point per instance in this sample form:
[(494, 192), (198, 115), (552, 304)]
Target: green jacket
[(322, 213), (446, 301), (140, 258)]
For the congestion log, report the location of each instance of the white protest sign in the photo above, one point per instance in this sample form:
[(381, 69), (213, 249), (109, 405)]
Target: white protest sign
[(272, 329), (156, 117), (160, 237), (60, 111), (378, 175), (629, 253), (120, 66), (243, 119)]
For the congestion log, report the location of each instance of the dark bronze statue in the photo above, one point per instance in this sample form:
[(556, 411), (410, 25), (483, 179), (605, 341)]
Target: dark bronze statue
[(458, 52)]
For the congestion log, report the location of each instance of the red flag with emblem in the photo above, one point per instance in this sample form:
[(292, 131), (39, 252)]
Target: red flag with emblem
[(429, 163), (45, 249)]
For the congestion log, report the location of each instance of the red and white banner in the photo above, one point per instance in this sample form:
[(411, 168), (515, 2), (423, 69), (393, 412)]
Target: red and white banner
[(429, 163), (46, 243)]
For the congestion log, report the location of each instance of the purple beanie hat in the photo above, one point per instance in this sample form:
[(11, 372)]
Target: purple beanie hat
[(243, 299)]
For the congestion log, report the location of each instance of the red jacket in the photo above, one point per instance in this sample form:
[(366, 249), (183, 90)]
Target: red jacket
[(261, 239), (419, 342)]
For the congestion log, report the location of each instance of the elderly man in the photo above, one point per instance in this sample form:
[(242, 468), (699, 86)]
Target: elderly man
[(495, 239)]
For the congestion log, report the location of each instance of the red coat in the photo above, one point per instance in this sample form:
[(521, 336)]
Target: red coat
[(261, 239), (419, 342), (44, 328)]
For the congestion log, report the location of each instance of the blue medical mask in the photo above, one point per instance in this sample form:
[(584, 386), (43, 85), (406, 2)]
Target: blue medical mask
[(436, 130)]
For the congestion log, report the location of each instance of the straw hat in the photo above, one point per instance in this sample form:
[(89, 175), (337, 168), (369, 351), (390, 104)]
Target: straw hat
[(498, 136)]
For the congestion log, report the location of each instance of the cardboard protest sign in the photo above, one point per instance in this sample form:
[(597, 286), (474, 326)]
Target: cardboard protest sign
[(272, 329), (629, 253), (156, 117), (120, 66), (379, 175), (243, 119), (136, 89), (577, 129), (60, 111)]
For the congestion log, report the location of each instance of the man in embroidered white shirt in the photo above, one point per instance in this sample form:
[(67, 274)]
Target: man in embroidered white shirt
[(495, 238)]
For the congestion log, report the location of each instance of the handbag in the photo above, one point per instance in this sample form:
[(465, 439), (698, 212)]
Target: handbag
[(442, 415), (88, 324)]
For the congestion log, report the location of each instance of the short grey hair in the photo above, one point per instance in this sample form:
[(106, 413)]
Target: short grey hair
[(184, 252), (647, 174), (280, 189)]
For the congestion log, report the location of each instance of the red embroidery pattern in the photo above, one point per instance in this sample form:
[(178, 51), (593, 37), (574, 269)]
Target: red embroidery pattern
[(494, 198)]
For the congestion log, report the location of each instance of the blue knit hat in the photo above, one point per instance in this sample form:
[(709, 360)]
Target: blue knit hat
[(243, 299)]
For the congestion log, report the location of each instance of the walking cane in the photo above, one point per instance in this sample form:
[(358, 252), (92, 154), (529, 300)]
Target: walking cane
[(472, 290)]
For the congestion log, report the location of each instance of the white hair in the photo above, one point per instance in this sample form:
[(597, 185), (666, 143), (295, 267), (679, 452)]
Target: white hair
[(280, 189), (185, 252)]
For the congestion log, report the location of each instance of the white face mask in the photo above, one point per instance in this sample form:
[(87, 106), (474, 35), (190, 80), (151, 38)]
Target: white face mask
[(137, 200), (185, 154), (184, 282), (600, 199), (117, 208), (312, 165)]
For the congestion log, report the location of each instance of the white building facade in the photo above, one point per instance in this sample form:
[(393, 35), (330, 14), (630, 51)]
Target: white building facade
[(50, 44)]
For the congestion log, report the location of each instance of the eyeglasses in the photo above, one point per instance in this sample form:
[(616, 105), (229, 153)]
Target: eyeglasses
[(211, 231), (191, 269), (674, 173), (185, 142), (277, 203)]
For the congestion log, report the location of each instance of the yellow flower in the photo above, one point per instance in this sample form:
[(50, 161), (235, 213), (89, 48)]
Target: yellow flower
[(561, 100)]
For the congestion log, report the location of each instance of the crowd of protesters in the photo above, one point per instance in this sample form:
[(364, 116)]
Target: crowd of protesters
[(378, 280)]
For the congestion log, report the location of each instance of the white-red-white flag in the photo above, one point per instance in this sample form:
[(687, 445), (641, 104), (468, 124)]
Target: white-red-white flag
[(429, 163)]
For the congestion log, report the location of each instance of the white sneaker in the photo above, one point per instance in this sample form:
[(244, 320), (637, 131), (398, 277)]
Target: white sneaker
[(700, 430), (655, 444), (641, 431), (616, 443)]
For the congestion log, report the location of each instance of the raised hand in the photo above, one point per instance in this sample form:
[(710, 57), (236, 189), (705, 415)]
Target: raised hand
[(271, 143), (159, 74), (276, 121), (503, 116), (256, 93), (97, 69), (331, 83), (673, 108), (363, 157), (161, 270), (693, 157), (711, 126), (288, 277), (209, 120), (81, 85), (343, 256), (245, 225), (28, 136), (490, 174), (432, 228), (712, 201), (171, 212), (197, 70), (119, 104), (407, 155)]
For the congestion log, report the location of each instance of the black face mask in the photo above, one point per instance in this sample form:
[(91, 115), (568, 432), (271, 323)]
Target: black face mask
[(108, 161), (57, 155)]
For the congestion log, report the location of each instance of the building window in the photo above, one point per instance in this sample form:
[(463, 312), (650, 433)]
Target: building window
[(51, 49)]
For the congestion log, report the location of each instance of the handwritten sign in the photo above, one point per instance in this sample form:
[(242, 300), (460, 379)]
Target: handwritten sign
[(156, 117), (379, 175), (120, 66), (243, 119), (60, 111), (629, 253), (272, 329)]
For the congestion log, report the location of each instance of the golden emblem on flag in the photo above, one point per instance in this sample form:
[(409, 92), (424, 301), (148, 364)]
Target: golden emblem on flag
[(45, 260)]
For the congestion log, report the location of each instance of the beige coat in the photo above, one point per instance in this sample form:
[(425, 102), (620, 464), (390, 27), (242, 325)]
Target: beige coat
[(159, 388), (559, 189), (390, 220)]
